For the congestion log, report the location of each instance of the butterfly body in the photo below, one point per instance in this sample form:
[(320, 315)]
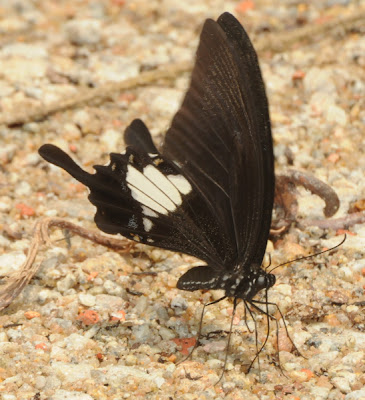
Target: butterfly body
[(209, 190)]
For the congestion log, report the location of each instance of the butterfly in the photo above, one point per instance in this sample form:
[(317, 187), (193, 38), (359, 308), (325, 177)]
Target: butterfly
[(208, 192)]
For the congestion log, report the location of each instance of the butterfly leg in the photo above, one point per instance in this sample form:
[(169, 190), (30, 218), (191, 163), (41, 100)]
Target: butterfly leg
[(245, 317), (269, 316), (200, 329), (256, 334), (285, 326), (229, 340)]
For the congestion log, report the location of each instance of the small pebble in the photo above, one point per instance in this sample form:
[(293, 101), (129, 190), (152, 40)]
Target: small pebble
[(216, 346), (113, 288), (70, 395), (7, 153), (11, 262), (179, 304), (356, 395), (65, 284), (141, 333), (215, 364), (87, 299), (84, 32)]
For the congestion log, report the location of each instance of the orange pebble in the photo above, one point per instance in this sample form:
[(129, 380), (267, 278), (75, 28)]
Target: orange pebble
[(117, 123), (244, 6), (92, 275), (119, 3), (332, 320), (77, 187), (308, 372), (185, 344), (343, 231), (118, 316), (25, 211), (42, 346), (333, 158), (298, 75), (31, 314), (172, 358), (88, 317)]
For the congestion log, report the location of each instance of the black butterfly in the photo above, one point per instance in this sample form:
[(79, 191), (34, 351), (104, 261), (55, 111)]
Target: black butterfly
[(209, 191)]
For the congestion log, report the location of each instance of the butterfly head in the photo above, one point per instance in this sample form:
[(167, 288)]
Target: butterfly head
[(248, 286)]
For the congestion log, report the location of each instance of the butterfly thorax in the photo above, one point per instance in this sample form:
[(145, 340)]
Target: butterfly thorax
[(246, 286)]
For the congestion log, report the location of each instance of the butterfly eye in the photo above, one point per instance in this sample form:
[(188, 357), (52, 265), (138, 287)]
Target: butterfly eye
[(261, 281), (271, 279)]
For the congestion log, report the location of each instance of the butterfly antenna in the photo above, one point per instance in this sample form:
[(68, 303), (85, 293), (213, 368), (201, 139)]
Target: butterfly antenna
[(311, 255), (229, 340), (200, 329)]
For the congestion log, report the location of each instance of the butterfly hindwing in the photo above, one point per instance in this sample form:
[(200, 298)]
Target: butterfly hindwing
[(143, 197), (203, 277), (139, 137)]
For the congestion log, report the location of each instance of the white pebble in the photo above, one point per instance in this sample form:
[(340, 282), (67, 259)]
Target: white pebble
[(87, 299), (83, 32), (336, 115), (11, 262)]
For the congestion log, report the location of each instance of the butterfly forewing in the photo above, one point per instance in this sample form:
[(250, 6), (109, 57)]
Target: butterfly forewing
[(221, 137)]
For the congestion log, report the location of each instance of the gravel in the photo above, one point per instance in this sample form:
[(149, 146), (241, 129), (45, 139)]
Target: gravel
[(86, 327)]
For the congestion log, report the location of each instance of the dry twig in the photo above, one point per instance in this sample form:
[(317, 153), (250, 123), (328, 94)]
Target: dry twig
[(17, 281), (336, 223), (286, 204), (276, 43)]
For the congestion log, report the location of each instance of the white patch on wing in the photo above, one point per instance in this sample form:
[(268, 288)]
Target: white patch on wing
[(147, 201), (181, 183), (147, 224), (152, 155), (152, 197), (148, 212), (164, 184)]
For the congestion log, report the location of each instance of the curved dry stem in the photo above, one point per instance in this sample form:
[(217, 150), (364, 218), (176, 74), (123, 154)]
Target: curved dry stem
[(16, 282), (286, 203)]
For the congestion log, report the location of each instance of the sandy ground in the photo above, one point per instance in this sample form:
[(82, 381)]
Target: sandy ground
[(87, 326)]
